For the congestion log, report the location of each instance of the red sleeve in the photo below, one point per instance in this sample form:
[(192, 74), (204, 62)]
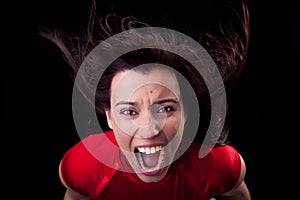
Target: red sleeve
[(82, 171), (226, 168), (216, 173)]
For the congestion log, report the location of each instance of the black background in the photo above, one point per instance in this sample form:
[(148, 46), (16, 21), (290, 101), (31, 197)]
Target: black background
[(258, 105)]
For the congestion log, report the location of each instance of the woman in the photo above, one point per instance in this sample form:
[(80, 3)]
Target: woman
[(146, 151)]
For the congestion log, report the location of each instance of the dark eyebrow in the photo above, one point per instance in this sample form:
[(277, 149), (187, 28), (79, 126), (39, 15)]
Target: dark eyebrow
[(156, 102), (165, 101), (125, 103)]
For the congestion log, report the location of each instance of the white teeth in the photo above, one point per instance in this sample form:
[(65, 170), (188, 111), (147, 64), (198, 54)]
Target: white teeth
[(159, 163), (147, 150), (157, 148), (150, 150), (141, 149)]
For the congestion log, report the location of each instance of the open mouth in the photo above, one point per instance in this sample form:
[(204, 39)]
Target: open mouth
[(150, 158)]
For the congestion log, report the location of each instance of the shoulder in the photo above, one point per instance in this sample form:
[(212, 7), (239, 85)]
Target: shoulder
[(226, 154), (218, 156), (218, 171), (81, 169), (226, 162)]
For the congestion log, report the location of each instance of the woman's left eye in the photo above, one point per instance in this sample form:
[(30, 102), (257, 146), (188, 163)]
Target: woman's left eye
[(163, 109)]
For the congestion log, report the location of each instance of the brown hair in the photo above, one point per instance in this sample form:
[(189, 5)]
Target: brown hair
[(228, 48)]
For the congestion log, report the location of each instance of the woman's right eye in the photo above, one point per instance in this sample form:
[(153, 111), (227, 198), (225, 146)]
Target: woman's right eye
[(129, 112)]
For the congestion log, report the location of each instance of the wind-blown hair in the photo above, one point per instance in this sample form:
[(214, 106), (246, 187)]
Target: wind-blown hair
[(228, 48)]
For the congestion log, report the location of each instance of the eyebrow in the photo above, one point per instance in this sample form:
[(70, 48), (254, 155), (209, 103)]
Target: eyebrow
[(125, 103), (156, 102), (165, 101)]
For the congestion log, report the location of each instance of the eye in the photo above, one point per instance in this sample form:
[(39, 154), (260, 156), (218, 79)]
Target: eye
[(167, 109), (129, 112)]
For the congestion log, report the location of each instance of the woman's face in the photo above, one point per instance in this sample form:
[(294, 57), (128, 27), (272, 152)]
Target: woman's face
[(147, 118)]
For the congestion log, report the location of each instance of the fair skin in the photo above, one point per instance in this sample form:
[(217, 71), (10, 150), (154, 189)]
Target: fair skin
[(146, 115), (147, 120)]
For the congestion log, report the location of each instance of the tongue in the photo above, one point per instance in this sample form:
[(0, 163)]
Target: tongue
[(150, 160)]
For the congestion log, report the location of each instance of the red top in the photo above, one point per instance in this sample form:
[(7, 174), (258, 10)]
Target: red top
[(189, 177)]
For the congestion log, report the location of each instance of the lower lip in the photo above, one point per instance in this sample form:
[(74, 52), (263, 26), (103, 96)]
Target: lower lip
[(153, 173)]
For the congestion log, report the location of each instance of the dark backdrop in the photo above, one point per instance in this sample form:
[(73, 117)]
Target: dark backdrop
[(43, 89)]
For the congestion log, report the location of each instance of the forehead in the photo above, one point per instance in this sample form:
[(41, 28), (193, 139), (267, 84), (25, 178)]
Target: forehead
[(126, 83)]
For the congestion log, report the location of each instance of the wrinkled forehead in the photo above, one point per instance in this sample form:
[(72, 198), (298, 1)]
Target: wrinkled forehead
[(126, 83)]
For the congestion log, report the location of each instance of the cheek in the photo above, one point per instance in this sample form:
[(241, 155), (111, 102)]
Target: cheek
[(172, 127), (124, 140)]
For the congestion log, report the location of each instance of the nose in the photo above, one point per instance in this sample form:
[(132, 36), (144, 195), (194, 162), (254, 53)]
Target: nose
[(148, 127), (148, 132)]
